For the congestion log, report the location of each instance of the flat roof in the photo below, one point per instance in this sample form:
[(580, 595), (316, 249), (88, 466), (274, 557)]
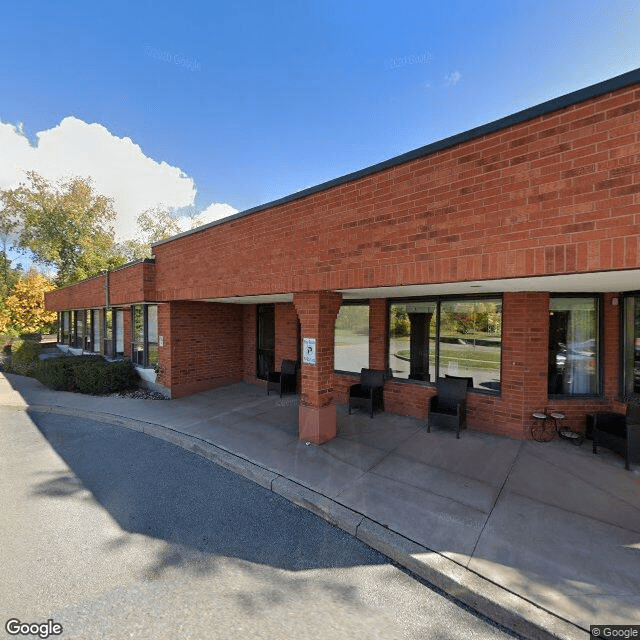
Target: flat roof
[(555, 104)]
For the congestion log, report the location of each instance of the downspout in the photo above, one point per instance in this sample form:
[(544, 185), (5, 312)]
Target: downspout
[(106, 288)]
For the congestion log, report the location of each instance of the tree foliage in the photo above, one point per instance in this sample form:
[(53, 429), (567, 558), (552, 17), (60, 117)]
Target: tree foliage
[(8, 227), (155, 224), (24, 308), (66, 226)]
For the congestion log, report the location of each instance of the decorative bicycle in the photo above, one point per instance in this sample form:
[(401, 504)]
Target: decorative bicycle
[(546, 425), (543, 429)]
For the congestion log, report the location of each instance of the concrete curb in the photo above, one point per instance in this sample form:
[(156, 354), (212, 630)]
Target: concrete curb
[(487, 598)]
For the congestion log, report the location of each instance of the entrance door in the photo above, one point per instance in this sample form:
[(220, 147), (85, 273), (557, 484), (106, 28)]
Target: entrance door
[(266, 342)]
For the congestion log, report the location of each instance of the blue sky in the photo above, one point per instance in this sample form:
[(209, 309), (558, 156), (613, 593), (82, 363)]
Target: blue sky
[(241, 103)]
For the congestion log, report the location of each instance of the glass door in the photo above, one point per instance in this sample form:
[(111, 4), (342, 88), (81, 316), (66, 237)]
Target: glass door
[(266, 340)]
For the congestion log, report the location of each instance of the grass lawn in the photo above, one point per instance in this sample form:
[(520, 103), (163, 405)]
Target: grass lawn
[(485, 357)]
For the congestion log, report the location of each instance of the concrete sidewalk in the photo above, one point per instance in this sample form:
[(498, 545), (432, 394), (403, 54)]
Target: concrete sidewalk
[(543, 538)]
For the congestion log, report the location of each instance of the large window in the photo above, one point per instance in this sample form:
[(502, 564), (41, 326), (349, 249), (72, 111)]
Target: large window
[(412, 334), (65, 327), (144, 335), (351, 342), (113, 332), (119, 332), (96, 324), (631, 341), (78, 328), (429, 339), (573, 346), (152, 335), (107, 332), (88, 331)]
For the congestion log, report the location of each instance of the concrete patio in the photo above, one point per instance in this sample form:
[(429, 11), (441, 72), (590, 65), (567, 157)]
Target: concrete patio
[(547, 529)]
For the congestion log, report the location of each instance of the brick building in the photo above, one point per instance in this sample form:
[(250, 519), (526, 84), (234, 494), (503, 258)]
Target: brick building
[(509, 254)]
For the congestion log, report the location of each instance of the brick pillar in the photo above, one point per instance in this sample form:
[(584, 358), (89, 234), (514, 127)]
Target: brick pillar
[(126, 316), (317, 311), (525, 340), (286, 333), (611, 350), (378, 320), (249, 331), (164, 351)]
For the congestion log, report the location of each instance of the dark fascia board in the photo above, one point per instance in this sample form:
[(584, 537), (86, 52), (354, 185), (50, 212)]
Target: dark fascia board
[(555, 104), (151, 260), (101, 274)]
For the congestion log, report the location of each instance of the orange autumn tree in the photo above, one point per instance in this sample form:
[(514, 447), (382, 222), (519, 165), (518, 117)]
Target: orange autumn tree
[(24, 308)]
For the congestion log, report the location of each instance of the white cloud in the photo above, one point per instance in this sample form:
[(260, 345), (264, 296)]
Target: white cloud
[(453, 78), (118, 167), (216, 211)]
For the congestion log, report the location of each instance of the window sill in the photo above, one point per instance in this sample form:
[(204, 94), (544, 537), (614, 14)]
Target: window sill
[(583, 396), (432, 385), (148, 374)]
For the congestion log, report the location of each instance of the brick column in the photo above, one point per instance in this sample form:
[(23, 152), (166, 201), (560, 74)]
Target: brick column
[(611, 336), (317, 312), (126, 316), (378, 320), (286, 333), (525, 342), (164, 351)]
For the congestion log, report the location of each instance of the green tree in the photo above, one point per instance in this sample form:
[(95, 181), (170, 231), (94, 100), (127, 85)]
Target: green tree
[(8, 228), (155, 224), (399, 324), (66, 226)]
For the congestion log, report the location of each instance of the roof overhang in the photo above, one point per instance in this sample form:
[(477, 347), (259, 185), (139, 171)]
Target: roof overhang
[(598, 282)]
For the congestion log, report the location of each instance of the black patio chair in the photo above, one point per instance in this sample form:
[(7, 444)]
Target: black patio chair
[(617, 432), (285, 380), (448, 408), (468, 379), (368, 393)]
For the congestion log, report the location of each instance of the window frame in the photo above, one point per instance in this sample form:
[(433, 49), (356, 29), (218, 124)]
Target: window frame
[(110, 344), (598, 297), (96, 329), (65, 335), (624, 337), (438, 300), (143, 340)]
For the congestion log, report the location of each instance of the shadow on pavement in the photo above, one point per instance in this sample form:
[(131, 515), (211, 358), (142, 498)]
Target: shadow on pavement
[(154, 488)]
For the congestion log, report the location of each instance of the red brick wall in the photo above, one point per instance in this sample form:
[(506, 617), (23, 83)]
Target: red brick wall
[(126, 314), (556, 194), (249, 333), (378, 325), (135, 283), (132, 284), (286, 333), (84, 295), (164, 351), (611, 348), (202, 346)]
